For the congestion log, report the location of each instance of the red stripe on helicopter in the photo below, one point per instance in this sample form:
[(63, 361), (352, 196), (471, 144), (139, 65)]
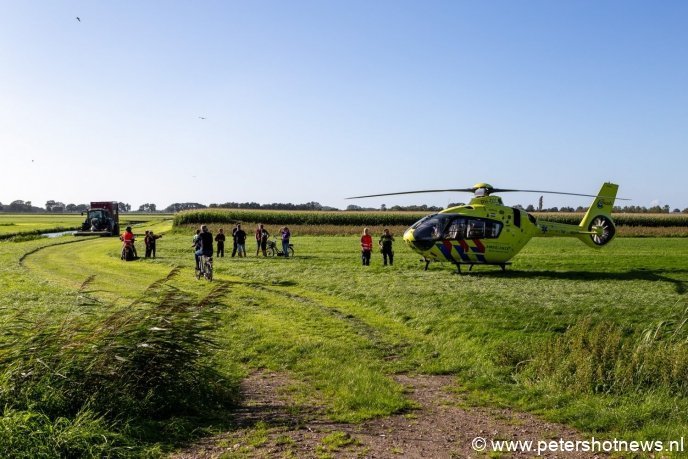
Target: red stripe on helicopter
[(479, 247), (463, 245)]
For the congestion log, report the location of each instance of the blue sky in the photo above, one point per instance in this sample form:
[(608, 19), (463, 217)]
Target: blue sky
[(319, 100)]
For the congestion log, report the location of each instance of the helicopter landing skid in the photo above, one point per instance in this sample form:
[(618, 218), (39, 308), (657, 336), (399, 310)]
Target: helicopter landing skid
[(470, 266)]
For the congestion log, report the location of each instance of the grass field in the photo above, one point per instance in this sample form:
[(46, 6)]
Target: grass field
[(592, 338), (12, 225)]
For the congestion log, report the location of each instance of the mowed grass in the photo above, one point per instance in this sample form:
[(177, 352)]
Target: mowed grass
[(11, 224), (520, 338)]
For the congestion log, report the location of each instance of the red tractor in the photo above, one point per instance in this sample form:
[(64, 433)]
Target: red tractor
[(102, 218)]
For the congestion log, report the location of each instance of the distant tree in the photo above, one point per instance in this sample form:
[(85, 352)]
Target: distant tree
[(179, 206), (49, 205), (148, 207), (353, 207), (566, 209), (81, 208), (58, 207), (21, 206), (1, 207), (70, 207), (540, 203), (383, 207), (455, 204), (124, 207), (530, 208), (676, 211)]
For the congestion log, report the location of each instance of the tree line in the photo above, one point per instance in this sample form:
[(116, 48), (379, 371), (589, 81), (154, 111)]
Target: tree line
[(53, 206)]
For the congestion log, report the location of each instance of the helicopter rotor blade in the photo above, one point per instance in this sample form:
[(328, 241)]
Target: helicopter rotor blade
[(489, 190), (504, 190), (468, 190)]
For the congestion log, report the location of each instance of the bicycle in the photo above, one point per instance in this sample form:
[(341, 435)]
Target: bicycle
[(206, 268), (273, 248)]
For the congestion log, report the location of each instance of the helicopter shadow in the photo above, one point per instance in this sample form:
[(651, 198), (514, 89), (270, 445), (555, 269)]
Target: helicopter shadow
[(636, 274)]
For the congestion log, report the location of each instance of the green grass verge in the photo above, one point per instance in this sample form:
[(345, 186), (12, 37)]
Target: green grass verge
[(569, 332)]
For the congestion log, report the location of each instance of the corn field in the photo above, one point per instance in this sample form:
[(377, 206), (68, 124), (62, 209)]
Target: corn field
[(386, 218)]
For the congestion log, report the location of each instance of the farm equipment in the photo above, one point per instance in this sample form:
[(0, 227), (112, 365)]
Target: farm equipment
[(102, 218)]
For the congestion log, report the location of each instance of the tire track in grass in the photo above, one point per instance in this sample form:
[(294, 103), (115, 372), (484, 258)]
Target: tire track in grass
[(390, 346)]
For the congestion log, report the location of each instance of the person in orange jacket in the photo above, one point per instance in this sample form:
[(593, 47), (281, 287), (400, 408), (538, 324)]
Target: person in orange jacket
[(128, 238), (366, 247)]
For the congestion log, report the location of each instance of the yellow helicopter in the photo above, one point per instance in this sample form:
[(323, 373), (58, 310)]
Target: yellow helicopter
[(486, 232)]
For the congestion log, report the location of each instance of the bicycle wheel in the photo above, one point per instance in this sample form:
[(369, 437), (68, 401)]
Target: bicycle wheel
[(291, 252), (198, 273), (270, 251)]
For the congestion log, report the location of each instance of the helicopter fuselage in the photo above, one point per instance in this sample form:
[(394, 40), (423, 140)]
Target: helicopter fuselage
[(485, 231)]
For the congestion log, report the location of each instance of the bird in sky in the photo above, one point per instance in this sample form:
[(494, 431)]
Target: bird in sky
[(202, 117), (78, 18)]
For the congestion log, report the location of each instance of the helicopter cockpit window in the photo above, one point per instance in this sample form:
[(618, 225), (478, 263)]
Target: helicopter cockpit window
[(431, 227)]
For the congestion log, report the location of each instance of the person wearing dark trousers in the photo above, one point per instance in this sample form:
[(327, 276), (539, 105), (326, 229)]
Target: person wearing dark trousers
[(220, 239), (386, 241), (234, 238), (146, 240), (240, 241), (285, 234), (366, 247), (262, 236), (150, 248)]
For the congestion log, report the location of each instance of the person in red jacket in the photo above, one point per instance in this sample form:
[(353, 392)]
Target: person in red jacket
[(366, 247), (128, 238)]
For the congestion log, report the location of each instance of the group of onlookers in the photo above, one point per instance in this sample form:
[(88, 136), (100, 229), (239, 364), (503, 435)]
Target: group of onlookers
[(203, 243), (150, 239), (239, 241), (385, 244)]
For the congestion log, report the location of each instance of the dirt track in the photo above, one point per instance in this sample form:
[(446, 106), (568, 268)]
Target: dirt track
[(438, 428)]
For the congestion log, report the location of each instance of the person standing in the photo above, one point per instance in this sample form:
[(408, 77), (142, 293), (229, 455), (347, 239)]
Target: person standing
[(240, 237), (262, 236), (234, 239), (151, 242), (386, 241), (220, 239), (285, 234), (259, 235), (366, 247), (146, 241)]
